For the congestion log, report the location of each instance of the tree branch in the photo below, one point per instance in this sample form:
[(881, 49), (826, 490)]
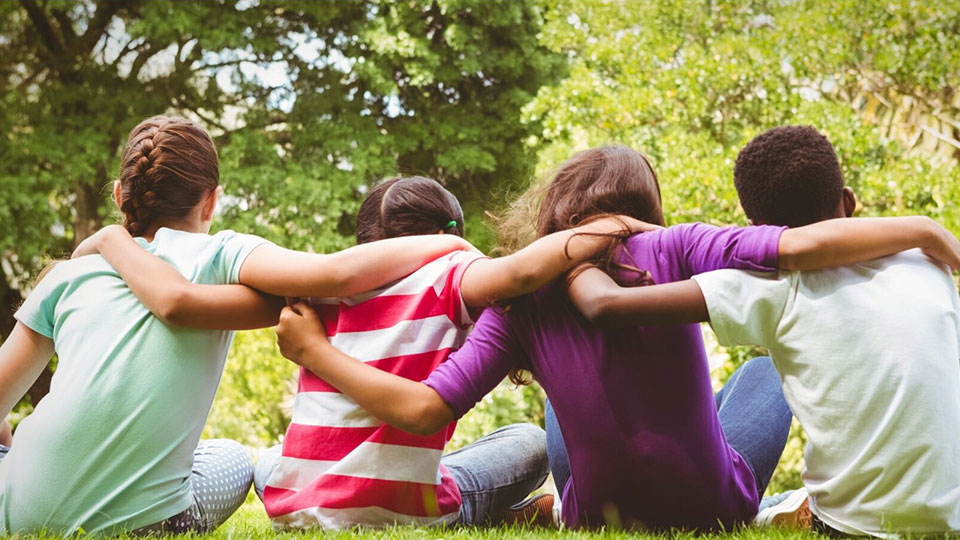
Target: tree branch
[(66, 27), (53, 43), (98, 24)]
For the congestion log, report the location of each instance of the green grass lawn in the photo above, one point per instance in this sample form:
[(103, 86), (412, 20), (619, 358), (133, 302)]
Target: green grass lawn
[(251, 522)]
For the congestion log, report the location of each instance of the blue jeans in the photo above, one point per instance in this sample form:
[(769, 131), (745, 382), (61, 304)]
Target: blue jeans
[(493, 473), (498, 470), (753, 413)]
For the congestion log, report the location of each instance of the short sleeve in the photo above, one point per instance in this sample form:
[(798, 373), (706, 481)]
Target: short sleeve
[(745, 307), (234, 249), (460, 313), (705, 248), (490, 352), (38, 311)]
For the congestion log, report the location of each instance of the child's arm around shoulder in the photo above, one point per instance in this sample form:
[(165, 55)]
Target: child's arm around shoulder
[(173, 298), (605, 303), (546, 259), (846, 241), (355, 270)]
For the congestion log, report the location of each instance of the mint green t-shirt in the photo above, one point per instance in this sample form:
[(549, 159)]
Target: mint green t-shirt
[(110, 448)]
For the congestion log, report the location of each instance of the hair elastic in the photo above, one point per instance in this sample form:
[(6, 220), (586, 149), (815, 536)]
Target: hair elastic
[(452, 223)]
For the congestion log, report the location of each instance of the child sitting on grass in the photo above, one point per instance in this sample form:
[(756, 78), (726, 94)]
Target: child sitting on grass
[(868, 353)]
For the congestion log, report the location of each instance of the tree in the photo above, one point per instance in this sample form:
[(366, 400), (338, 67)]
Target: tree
[(308, 102)]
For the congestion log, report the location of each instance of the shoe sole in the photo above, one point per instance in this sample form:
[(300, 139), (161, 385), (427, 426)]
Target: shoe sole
[(792, 513), (536, 512)]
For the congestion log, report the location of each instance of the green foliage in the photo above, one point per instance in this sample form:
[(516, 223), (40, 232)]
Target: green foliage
[(254, 401)]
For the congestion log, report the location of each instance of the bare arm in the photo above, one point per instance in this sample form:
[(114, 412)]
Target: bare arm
[(268, 268), (173, 298), (408, 405), (605, 303), (541, 262), (845, 241), (362, 268), (23, 356)]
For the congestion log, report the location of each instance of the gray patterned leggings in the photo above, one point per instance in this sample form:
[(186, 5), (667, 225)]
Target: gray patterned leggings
[(221, 477)]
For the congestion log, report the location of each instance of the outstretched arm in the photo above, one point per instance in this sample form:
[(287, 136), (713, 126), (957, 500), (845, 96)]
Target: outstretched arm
[(543, 261), (358, 269), (23, 356), (408, 405), (605, 303), (845, 241)]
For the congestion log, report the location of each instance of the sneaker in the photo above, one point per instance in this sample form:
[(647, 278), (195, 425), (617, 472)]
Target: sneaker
[(535, 512), (790, 509)]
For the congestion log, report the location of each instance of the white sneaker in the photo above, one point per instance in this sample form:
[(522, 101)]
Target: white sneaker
[(791, 510)]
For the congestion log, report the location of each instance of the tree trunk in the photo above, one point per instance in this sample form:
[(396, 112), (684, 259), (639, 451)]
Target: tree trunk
[(88, 219)]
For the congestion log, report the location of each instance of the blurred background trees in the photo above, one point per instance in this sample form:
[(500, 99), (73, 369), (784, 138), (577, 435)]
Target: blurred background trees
[(312, 102)]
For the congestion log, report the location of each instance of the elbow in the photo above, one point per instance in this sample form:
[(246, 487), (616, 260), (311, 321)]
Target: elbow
[(598, 310), (173, 309), (427, 420)]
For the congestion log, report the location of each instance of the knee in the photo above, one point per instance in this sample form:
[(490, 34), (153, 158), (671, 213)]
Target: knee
[(762, 366), (230, 451), (266, 464), (531, 445)]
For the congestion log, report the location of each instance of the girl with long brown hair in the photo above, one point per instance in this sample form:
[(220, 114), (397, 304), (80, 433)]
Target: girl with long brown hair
[(646, 440)]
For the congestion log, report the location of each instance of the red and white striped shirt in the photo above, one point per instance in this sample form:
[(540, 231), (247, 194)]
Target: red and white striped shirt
[(342, 467)]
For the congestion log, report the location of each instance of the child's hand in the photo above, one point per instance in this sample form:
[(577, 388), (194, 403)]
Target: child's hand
[(619, 223), (299, 332), (91, 245), (945, 247)]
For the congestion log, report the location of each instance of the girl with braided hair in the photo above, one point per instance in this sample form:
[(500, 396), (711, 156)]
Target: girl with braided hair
[(114, 446)]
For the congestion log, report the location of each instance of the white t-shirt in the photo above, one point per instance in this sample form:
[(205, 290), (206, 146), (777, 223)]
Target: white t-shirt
[(869, 356)]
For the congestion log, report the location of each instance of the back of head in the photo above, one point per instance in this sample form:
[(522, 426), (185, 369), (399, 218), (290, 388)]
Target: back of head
[(168, 165), (407, 207), (600, 181), (788, 176)]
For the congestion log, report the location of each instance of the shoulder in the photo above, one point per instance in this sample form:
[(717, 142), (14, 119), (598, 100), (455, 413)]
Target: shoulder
[(733, 284)]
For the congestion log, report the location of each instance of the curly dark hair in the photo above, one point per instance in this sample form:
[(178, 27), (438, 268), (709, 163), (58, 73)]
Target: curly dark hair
[(789, 176)]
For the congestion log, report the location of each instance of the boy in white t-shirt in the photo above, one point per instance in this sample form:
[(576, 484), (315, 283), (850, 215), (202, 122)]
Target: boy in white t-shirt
[(869, 355)]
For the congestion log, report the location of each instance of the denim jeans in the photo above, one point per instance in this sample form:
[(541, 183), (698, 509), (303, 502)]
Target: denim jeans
[(493, 473), (753, 413)]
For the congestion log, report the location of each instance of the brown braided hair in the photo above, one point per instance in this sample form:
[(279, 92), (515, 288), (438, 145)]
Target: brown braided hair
[(168, 166)]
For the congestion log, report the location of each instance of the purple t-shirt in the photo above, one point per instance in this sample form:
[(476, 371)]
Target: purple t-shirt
[(635, 405)]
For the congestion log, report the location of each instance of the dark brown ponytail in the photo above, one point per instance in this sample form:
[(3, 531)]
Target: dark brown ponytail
[(168, 166), (407, 207)]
